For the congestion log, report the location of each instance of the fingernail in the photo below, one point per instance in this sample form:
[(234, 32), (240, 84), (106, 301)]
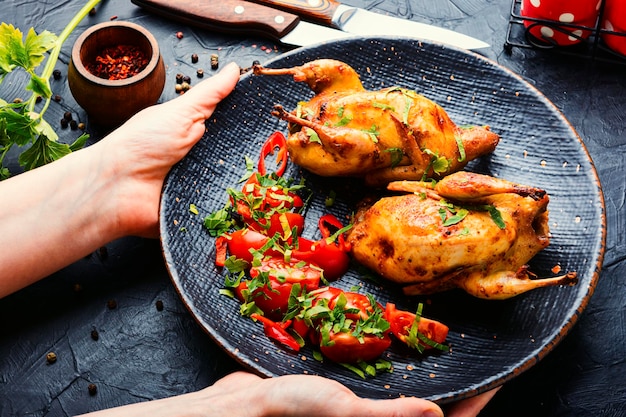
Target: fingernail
[(432, 413)]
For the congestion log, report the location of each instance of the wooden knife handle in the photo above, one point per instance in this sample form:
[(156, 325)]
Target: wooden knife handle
[(321, 11), (231, 16)]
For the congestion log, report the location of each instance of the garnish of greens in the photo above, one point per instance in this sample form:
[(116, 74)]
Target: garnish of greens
[(20, 124)]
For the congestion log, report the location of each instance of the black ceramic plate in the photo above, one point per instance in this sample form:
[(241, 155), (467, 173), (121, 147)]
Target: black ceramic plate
[(492, 341)]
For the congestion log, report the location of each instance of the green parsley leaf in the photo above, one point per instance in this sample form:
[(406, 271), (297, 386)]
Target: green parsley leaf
[(456, 218), (312, 134), (43, 151), (218, 222), (36, 46)]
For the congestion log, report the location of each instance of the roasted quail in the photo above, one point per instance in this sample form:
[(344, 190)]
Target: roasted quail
[(468, 231), (386, 135)]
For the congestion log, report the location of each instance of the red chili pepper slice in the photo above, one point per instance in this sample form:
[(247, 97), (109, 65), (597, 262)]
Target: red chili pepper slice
[(277, 332), (324, 222), (276, 141)]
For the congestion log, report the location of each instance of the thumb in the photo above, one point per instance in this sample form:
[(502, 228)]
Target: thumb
[(203, 97)]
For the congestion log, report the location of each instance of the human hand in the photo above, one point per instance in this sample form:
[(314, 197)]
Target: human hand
[(142, 151), (244, 394)]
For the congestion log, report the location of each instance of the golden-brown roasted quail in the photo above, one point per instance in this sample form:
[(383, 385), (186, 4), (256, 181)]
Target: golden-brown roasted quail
[(469, 231), (385, 135)]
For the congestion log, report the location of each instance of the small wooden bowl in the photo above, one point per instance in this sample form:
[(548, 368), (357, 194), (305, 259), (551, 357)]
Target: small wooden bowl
[(109, 103)]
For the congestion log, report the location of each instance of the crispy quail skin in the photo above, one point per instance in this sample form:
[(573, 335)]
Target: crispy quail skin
[(404, 237), (385, 135)]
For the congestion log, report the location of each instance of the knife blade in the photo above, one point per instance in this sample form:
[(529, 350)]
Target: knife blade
[(366, 23), (243, 17)]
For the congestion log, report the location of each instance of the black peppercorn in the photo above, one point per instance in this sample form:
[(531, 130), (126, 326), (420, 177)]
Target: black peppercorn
[(187, 79), (51, 357), (57, 98), (194, 58), (94, 334), (93, 390), (67, 116), (73, 124), (56, 74), (200, 73), (92, 12), (179, 78), (159, 305), (64, 123), (112, 304)]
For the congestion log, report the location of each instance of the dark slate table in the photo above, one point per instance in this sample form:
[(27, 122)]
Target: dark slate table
[(145, 352)]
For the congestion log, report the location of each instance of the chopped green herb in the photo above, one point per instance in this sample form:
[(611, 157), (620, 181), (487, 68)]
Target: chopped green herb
[(373, 133), (218, 222), (456, 218), (439, 164), (193, 209), (495, 214), (396, 156), (383, 106), (459, 144), (343, 121), (312, 134), (408, 103), (330, 199)]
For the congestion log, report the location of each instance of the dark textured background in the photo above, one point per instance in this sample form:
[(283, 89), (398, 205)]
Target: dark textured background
[(143, 353)]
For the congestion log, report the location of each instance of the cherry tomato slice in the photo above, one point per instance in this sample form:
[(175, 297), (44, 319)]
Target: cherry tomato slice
[(274, 300), (345, 348), (241, 241), (400, 322), (330, 258), (357, 301), (284, 223), (289, 272)]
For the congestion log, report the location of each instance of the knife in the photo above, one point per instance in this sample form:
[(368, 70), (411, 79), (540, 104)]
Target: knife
[(366, 23), (242, 17)]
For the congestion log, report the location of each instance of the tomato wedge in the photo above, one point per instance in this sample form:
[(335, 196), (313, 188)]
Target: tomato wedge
[(345, 348), (277, 277), (344, 338), (401, 322), (241, 241), (329, 257)]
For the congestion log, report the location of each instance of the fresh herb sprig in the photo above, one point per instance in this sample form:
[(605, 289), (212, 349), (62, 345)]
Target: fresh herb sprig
[(20, 125)]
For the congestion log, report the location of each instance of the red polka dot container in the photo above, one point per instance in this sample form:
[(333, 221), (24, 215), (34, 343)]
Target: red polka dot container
[(614, 20), (559, 19)]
